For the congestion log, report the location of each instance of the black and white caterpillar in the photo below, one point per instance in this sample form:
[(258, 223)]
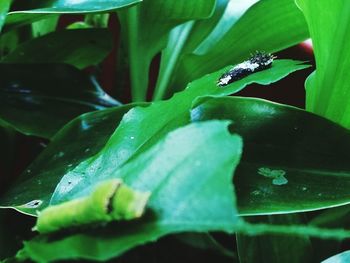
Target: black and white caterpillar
[(257, 62)]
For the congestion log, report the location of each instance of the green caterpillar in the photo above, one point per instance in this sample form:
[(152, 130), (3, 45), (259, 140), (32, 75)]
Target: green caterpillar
[(111, 200)]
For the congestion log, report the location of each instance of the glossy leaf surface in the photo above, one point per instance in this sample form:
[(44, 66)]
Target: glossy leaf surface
[(4, 8), (188, 194), (49, 94), (197, 35), (269, 25), (29, 11), (78, 140), (146, 28), (311, 152), (339, 258), (79, 47), (328, 88), (132, 137)]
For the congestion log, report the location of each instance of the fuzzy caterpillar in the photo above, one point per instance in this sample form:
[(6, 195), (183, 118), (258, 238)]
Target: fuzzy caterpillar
[(257, 62)]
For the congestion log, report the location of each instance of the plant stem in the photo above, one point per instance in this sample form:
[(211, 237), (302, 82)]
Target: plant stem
[(170, 57), (139, 59)]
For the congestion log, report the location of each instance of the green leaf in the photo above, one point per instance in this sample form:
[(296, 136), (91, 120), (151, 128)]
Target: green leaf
[(197, 35), (80, 47), (133, 136), (275, 248), (184, 188), (339, 258), (128, 142), (44, 26), (8, 42), (146, 28), (312, 152), (328, 88), (39, 99), (4, 8), (29, 11), (78, 140), (269, 25)]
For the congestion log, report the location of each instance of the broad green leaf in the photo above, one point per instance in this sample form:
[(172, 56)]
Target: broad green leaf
[(343, 257), (4, 8), (275, 248), (80, 47), (310, 152), (233, 12), (135, 134), (269, 25), (97, 20), (44, 26), (8, 42), (26, 12), (328, 88), (39, 99), (139, 130), (91, 21), (188, 194), (197, 35), (146, 28), (78, 140)]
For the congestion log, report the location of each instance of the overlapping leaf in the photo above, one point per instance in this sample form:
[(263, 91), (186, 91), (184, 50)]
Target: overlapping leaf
[(197, 35), (311, 152), (29, 11), (339, 258), (188, 194), (146, 28), (4, 7), (39, 99), (78, 140), (269, 25), (134, 135), (328, 87), (80, 47)]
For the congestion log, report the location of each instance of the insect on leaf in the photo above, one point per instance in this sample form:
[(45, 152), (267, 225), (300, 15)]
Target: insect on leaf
[(111, 200)]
